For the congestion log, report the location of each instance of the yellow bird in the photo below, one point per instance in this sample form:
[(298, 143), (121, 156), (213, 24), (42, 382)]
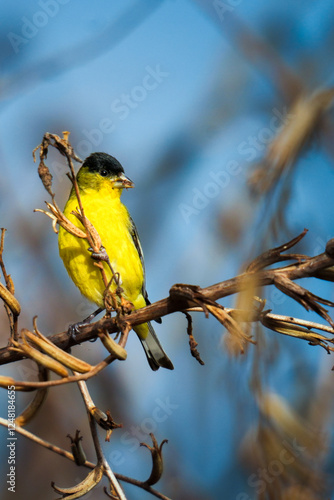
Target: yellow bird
[(101, 180)]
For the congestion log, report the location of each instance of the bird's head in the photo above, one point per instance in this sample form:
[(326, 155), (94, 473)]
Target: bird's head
[(100, 170)]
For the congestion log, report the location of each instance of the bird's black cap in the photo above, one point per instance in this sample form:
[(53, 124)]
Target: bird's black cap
[(98, 162)]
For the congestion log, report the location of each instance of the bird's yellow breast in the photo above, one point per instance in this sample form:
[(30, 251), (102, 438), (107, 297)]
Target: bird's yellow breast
[(111, 219)]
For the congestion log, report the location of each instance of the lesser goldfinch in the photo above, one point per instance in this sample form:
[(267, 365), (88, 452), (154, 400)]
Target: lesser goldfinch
[(101, 180)]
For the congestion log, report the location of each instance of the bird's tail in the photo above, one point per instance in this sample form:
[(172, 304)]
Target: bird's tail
[(155, 354)]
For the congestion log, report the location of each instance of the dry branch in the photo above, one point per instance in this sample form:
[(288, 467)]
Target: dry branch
[(184, 297)]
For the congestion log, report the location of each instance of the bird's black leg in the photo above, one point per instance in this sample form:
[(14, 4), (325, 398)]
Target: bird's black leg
[(74, 329)]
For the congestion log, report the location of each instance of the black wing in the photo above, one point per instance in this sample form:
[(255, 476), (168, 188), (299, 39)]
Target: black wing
[(136, 241)]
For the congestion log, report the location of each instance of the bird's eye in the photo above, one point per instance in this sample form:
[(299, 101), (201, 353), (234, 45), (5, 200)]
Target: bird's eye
[(104, 173)]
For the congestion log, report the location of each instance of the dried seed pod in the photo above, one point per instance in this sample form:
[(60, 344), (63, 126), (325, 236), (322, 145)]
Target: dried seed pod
[(30, 411), (157, 461), (10, 300), (58, 354), (90, 481), (46, 177), (77, 449), (39, 357), (112, 346)]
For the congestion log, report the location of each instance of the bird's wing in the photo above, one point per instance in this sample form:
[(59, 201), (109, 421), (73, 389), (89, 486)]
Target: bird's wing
[(136, 241)]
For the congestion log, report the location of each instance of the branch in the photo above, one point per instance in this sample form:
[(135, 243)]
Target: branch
[(184, 297)]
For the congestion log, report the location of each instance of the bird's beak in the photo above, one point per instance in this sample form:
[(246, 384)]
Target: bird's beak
[(122, 181)]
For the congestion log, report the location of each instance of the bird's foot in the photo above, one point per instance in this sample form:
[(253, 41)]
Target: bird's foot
[(74, 329)]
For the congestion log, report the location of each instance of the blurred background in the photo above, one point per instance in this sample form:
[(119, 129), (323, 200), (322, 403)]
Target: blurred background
[(188, 96)]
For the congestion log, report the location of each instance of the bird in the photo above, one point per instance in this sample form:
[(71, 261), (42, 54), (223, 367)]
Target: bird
[(101, 180)]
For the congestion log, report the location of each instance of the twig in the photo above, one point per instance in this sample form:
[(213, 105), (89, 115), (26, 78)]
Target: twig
[(69, 456), (40, 441), (101, 459), (104, 420), (142, 485), (192, 342), (297, 321), (74, 378)]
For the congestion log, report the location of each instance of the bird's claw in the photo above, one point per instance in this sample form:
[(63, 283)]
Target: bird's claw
[(74, 329)]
